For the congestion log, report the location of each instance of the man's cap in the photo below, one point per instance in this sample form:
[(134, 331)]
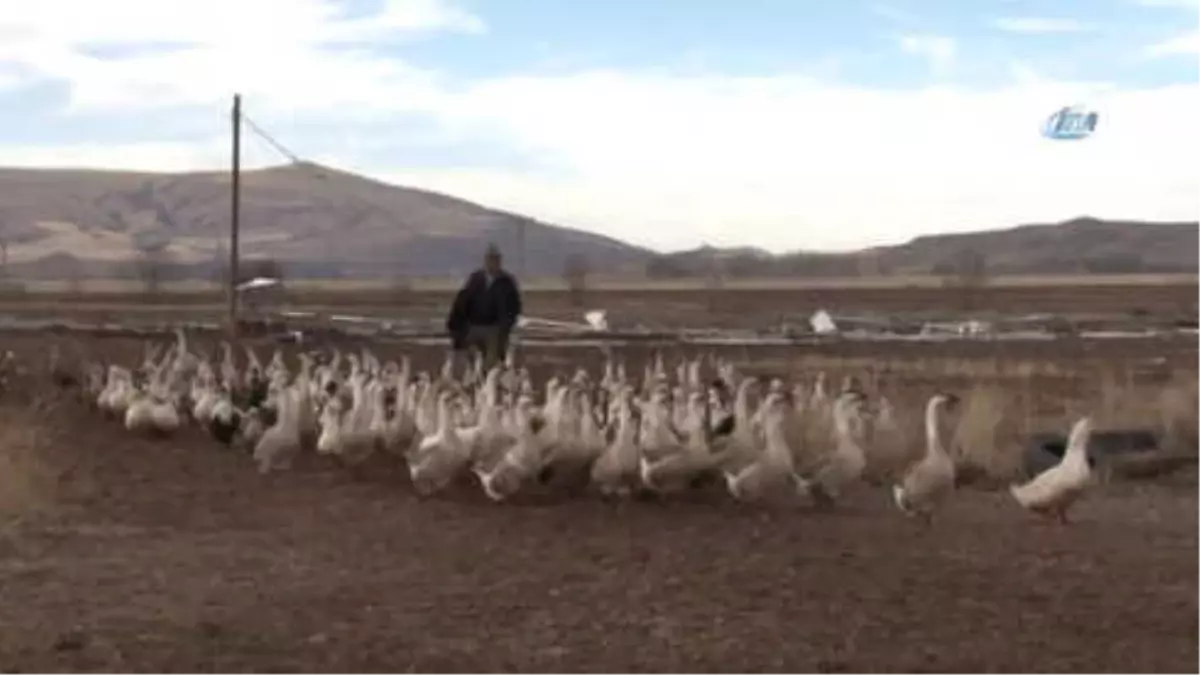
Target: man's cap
[(492, 251)]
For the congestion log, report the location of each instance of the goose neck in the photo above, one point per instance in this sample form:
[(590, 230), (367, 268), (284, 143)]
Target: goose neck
[(841, 419), (933, 434), (445, 417)]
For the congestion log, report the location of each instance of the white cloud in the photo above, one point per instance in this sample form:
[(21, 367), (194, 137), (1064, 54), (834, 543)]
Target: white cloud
[(938, 49), (780, 161), (222, 22), (1039, 24), (299, 53), (1181, 45)]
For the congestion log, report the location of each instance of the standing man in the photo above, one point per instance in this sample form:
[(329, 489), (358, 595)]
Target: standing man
[(485, 310)]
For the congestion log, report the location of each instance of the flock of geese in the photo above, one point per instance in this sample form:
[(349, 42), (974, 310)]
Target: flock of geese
[(662, 434)]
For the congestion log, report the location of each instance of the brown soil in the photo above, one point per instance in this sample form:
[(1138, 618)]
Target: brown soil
[(175, 555), (727, 307)]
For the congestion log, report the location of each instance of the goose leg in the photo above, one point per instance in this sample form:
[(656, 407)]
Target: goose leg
[(1048, 514), (422, 486), (1061, 516), (821, 497), (358, 472)]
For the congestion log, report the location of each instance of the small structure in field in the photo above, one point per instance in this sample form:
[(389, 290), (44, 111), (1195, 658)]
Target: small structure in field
[(597, 319), (260, 296), (822, 323)]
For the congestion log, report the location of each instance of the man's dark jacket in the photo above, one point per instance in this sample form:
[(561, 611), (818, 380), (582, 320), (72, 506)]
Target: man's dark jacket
[(478, 304)]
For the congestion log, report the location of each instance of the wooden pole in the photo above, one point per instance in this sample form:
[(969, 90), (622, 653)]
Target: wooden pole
[(235, 191)]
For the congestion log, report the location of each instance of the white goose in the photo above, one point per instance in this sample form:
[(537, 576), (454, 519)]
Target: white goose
[(401, 430), (673, 462), (519, 463), (928, 482), (139, 417), (163, 412), (487, 438), (574, 441), (774, 467), (1053, 491), (439, 458), (114, 398), (204, 398), (615, 471), (152, 410), (846, 463), (306, 415), (354, 440), (330, 421), (280, 444), (746, 441)]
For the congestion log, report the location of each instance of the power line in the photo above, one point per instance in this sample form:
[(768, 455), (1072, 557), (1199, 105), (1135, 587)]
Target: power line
[(278, 147), (295, 159)]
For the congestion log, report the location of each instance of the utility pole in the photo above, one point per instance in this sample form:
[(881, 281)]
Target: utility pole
[(235, 212)]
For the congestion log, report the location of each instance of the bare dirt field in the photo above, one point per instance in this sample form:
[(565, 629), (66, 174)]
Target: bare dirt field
[(119, 553), (662, 304)]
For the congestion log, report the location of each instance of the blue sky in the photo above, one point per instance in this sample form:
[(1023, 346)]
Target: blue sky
[(856, 40), (776, 123)]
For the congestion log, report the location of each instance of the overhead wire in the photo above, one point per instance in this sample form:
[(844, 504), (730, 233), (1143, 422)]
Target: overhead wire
[(270, 140), (279, 148), (294, 158)]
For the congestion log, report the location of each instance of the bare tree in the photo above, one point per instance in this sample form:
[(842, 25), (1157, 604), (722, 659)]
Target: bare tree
[(967, 274), (400, 286), (218, 271), (154, 258), (575, 273), (972, 268), (870, 263), (664, 267), (267, 268), (714, 281), (71, 269)]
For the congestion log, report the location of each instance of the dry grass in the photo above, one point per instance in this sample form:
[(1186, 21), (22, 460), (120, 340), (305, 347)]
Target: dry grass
[(1003, 402), (1179, 414), (27, 478), (988, 437)]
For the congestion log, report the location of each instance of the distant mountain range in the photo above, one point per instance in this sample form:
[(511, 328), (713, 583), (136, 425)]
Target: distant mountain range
[(316, 221), (1078, 246)]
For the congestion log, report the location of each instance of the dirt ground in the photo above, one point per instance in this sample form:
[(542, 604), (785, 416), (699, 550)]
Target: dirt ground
[(175, 555), (723, 307)]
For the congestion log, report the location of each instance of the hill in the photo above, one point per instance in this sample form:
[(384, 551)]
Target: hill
[(315, 220), (1078, 246), (321, 222)]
